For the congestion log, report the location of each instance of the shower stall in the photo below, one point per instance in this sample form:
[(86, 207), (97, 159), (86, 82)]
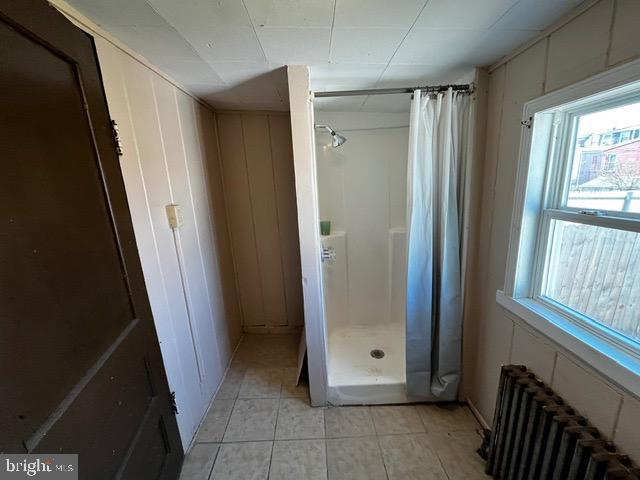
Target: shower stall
[(362, 193), (363, 170)]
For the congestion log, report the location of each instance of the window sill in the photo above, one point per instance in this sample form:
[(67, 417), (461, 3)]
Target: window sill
[(615, 364)]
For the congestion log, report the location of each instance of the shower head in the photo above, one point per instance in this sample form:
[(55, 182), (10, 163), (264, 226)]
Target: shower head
[(336, 138)]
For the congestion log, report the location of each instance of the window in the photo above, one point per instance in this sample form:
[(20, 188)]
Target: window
[(595, 271), (610, 162), (575, 253), (604, 178), (589, 253)]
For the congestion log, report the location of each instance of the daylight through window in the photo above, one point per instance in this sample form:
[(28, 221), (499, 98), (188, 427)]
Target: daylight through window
[(589, 250)]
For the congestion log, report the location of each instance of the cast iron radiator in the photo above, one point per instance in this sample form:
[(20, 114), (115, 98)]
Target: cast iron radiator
[(536, 436)]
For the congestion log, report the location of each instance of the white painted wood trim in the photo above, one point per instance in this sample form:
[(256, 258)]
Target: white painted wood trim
[(600, 83), (522, 174), (470, 168), (616, 365), (304, 161), (476, 413)]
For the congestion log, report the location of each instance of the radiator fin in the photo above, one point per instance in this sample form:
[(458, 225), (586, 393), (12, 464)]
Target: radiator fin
[(536, 436)]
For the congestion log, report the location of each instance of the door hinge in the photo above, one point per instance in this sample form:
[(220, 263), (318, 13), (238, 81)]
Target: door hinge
[(527, 123), (172, 402), (116, 137)]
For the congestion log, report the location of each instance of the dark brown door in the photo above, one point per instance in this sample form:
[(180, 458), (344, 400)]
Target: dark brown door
[(80, 365)]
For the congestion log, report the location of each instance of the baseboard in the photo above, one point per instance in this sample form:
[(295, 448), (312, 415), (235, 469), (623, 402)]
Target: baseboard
[(477, 414), (264, 329)]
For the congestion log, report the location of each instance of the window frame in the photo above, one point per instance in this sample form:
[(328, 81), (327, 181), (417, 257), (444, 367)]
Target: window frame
[(556, 197), (610, 161), (540, 197)]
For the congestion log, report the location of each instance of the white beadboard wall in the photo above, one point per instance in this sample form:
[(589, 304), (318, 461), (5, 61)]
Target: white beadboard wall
[(259, 186), (604, 35), (170, 156)]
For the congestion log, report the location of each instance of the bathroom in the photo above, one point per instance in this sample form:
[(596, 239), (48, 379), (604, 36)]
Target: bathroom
[(320, 239)]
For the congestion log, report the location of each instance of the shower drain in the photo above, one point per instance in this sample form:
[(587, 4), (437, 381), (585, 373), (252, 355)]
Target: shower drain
[(377, 353)]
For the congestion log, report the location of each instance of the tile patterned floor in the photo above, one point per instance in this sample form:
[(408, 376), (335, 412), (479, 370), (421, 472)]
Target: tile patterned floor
[(261, 427)]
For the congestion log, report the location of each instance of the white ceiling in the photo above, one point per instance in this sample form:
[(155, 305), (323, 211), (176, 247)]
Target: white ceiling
[(231, 52)]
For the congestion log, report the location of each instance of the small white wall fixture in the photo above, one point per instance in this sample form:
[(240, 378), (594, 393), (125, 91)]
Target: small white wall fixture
[(304, 161)]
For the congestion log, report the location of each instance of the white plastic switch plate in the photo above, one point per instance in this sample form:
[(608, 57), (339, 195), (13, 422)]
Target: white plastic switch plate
[(174, 215)]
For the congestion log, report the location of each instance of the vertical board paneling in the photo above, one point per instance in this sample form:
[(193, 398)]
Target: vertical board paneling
[(259, 187), (220, 230), (524, 80), (531, 350), (236, 187), (625, 41), (163, 286), (587, 394), (157, 192), (626, 435), (284, 178), (164, 162), (184, 165), (257, 146), (142, 103), (577, 49), (185, 238), (206, 184)]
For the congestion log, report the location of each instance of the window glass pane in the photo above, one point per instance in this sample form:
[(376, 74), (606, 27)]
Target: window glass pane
[(596, 271), (605, 170)]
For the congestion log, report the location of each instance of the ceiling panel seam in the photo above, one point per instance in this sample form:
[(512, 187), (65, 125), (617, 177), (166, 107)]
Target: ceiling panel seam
[(264, 55), (415, 20), (333, 22)]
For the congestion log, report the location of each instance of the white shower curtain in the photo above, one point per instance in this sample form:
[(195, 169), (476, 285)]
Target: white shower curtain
[(438, 152)]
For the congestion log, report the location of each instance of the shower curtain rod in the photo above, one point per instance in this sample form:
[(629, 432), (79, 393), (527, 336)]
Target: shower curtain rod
[(386, 91)]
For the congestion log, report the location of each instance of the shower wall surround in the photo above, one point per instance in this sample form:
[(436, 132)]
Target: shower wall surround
[(362, 191)]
